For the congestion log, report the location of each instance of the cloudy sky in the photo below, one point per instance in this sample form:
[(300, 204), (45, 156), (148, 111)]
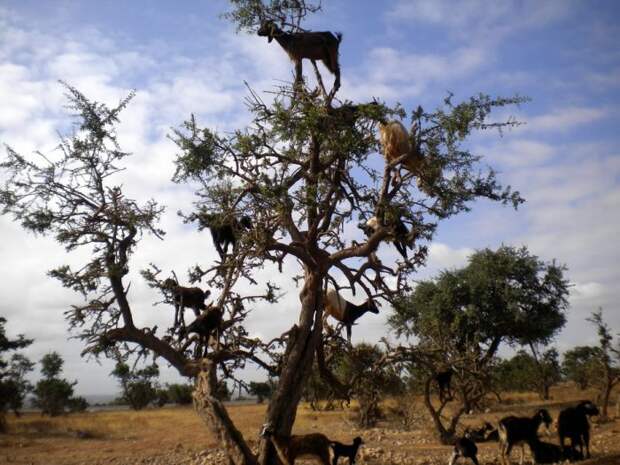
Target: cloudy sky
[(565, 161)]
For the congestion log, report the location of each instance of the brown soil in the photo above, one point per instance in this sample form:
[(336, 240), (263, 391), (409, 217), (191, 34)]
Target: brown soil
[(175, 436)]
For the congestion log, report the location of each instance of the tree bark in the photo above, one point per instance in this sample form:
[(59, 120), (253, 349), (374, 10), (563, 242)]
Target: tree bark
[(214, 414), (299, 355)]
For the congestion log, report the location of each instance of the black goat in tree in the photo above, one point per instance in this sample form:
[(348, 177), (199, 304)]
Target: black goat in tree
[(444, 381), (224, 231), (185, 297), (311, 45)]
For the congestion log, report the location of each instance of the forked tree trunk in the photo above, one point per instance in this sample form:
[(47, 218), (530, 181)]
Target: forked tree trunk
[(282, 409), (299, 355)]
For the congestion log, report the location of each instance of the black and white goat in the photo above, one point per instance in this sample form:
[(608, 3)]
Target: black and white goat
[(485, 433), (573, 423), (464, 447), (399, 234), (519, 430), (314, 46), (185, 297), (344, 311), (346, 450)]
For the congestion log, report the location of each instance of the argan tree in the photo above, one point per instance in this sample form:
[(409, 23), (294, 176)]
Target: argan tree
[(459, 320), (13, 384), (607, 360), (305, 171), (578, 365), (139, 386)]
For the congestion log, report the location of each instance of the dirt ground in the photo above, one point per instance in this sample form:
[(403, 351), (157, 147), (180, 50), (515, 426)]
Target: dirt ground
[(176, 436)]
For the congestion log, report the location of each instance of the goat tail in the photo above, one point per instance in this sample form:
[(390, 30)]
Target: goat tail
[(339, 36)]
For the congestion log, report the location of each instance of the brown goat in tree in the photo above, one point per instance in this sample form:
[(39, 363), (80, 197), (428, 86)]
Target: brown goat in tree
[(185, 297), (345, 311), (289, 448), (397, 142), (311, 45)]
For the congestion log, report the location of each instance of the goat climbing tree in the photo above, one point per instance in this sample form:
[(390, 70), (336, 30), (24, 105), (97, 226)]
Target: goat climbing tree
[(305, 169)]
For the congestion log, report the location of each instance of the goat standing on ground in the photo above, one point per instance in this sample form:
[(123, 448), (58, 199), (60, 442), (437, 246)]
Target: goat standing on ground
[(314, 46), (573, 423), (546, 453), (400, 234), (346, 450), (289, 448), (192, 297), (345, 311), (519, 430), (464, 447)]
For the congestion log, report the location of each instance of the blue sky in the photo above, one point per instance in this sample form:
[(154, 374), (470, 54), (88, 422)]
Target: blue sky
[(184, 59)]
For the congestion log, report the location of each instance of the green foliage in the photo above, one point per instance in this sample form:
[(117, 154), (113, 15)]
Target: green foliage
[(13, 384), (507, 294), (580, 365), (261, 389), (78, 404), (370, 379), (139, 387), (607, 360), (248, 14), (524, 372), (180, 393), (52, 394)]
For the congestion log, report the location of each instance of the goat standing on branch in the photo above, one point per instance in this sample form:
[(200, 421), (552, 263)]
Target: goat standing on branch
[(345, 311), (311, 45), (192, 297)]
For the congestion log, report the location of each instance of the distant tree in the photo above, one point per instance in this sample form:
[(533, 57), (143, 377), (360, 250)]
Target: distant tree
[(607, 372), (579, 365), (161, 397), (262, 390), (180, 393), (528, 372), (547, 369), (53, 394), (78, 404), (139, 387), (459, 320), (371, 379), (13, 385)]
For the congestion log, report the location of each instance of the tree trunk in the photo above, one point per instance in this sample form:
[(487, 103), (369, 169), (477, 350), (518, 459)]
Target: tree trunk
[(606, 393), (445, 436), (214, 414), (298, 359)]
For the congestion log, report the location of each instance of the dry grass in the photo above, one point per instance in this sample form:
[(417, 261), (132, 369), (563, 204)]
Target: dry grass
[(129, 437)]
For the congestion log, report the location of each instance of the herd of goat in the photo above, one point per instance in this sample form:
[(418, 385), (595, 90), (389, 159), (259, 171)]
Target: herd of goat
[(511, 431), (403, 148)]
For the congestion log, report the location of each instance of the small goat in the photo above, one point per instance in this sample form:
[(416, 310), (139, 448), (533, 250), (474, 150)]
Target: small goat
[(314, 46), (573, 423), (519, 430), (225, 232), (346, 450), (289, 448), (444, 380), (400, 234), (345, 311), (483, 434), (464, 447), (544, 452), (183, 297)]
